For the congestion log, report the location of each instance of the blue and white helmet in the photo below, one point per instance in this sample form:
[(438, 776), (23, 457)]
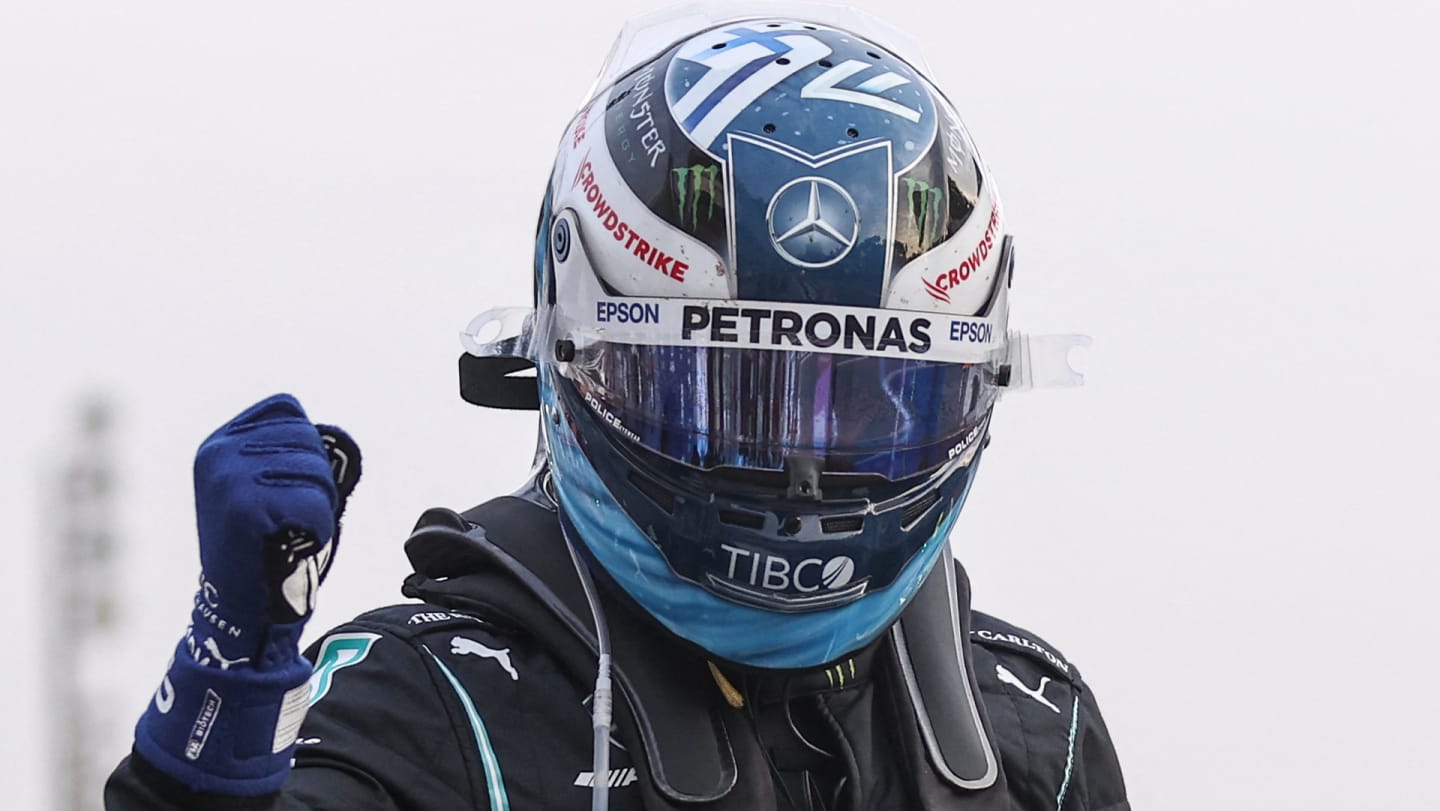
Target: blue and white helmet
[(772, 279)]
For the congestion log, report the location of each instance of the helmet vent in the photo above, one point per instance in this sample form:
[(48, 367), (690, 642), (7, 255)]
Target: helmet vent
[(654, 492), (842, 523), (742, 518), (914, 511)]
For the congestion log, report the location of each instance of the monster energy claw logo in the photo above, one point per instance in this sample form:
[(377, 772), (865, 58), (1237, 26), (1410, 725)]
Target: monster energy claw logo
[(925, 202), (690, 183)]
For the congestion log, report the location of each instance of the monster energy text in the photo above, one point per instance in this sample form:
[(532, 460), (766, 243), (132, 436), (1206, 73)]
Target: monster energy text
[(642, 119), (690, 183)]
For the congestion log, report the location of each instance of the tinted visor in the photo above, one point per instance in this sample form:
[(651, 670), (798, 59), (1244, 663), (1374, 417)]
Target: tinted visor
[(751, 408)]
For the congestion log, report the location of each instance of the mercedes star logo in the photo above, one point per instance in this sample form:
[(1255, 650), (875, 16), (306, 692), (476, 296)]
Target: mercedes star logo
[(813, 222)]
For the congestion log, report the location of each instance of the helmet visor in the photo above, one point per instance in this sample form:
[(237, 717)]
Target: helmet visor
[(711, 407)]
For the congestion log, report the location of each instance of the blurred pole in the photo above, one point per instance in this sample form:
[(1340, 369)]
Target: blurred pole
[(81, 578)]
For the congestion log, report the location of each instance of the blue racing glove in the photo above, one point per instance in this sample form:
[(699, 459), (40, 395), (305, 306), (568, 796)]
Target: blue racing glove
[(269, 490)]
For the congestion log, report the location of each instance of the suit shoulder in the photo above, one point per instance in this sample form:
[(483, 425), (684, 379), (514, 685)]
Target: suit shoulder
[(1008, 641), (409, 620), (412, 625), (1052, 738)]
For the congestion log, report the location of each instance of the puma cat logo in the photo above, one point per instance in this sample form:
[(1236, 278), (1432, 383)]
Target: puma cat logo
[(214, 650), (460, 645), (1014, 681)]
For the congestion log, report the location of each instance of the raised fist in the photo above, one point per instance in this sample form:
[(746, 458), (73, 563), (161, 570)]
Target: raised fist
[(269, 490)]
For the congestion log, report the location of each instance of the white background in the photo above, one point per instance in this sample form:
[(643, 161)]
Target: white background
[(1231, 528)]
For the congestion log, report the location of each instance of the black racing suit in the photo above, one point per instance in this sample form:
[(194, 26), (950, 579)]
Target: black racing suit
[(450, 703)]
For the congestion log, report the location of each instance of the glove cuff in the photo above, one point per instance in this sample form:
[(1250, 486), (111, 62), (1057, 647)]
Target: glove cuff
[(228, 732)]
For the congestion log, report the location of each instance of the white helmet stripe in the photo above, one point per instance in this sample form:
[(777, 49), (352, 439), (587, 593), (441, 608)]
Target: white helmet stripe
[(957, 275), (635, 251)]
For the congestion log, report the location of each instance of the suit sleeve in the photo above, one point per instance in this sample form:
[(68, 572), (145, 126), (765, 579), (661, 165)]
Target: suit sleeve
[(378, 737)]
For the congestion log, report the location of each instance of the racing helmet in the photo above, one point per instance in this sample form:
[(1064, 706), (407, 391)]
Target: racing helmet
[(770, 326)]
